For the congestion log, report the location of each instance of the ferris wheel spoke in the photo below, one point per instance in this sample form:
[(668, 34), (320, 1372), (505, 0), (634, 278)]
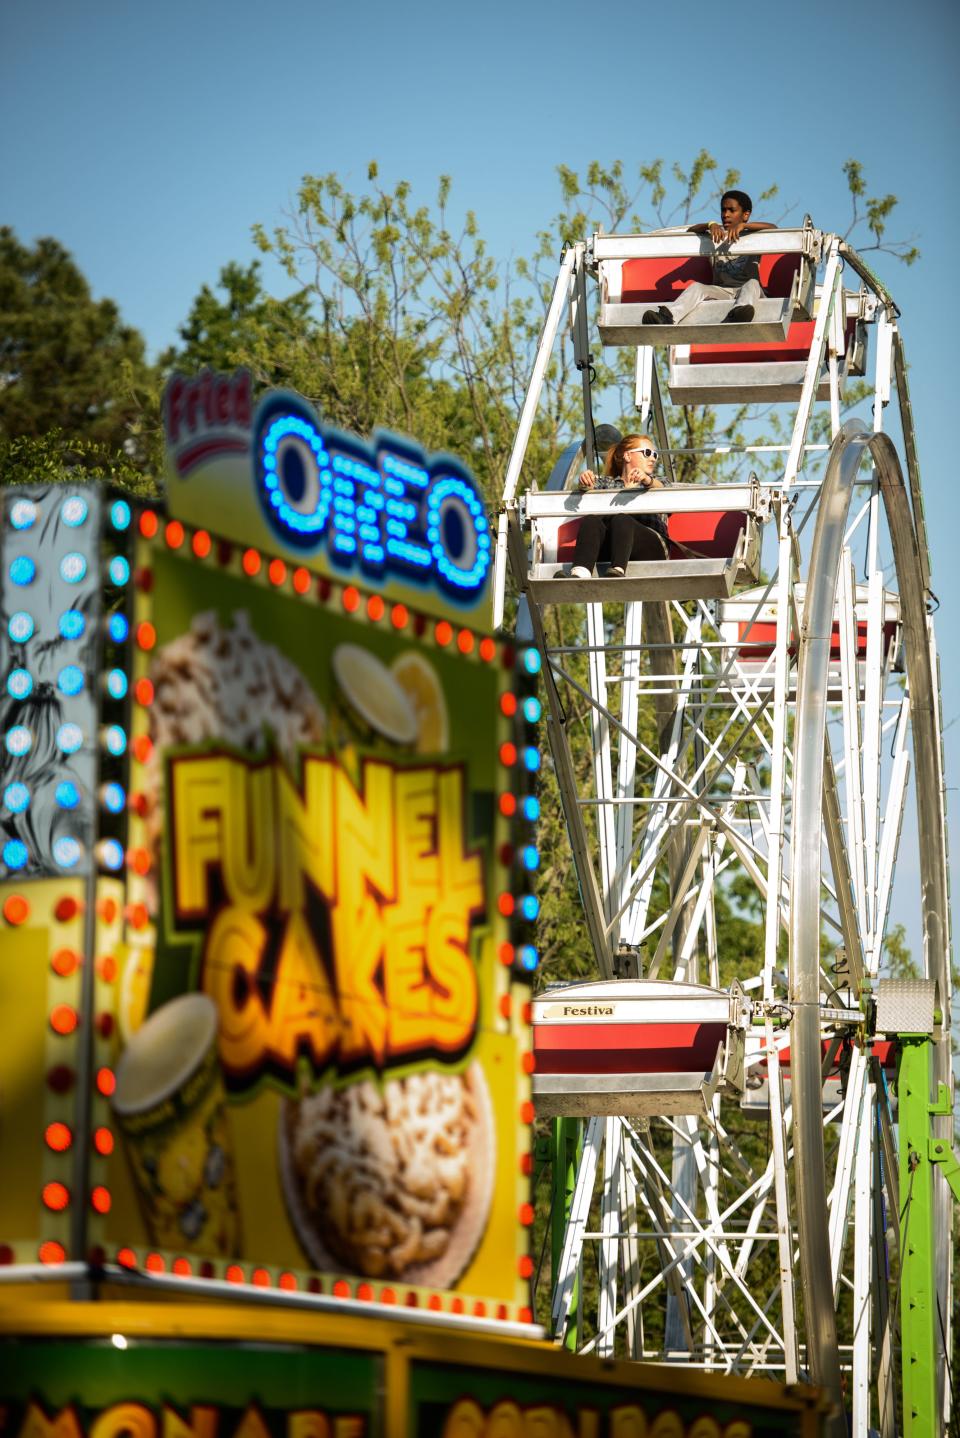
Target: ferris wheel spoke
[(669, 1276), (681, 897), (627, 757), (845, 885), (852, 750), (600, 731), (703, 1234), (890, 841), (840, 1197), (871, 746)]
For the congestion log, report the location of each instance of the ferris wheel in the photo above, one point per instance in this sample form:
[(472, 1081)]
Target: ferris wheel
[(751, 1119)]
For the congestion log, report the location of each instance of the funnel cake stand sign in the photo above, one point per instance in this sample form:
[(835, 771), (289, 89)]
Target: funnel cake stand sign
[(301, 938)]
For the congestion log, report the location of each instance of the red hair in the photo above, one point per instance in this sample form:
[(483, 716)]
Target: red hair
[(615, 458)]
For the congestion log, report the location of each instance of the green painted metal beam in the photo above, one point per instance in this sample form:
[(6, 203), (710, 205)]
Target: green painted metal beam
[(918, 1296), (566, 1142)]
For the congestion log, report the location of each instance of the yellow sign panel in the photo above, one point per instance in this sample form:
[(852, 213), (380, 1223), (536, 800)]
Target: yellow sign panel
[(320, 1053)]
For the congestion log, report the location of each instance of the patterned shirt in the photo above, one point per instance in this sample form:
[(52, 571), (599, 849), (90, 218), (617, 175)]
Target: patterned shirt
[(732, 271), (611, 481)]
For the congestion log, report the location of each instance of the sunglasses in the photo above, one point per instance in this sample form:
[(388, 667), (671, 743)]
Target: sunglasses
[(647, 453)]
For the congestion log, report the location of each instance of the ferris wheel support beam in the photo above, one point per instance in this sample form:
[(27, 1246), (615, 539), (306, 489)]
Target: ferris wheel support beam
[(778, 749), (842, 1194), (773, 919), (602, 764), (528, 414), (831, 294), (871, 748), (627, 763), (582, 357), (892, 826), (660, 424)]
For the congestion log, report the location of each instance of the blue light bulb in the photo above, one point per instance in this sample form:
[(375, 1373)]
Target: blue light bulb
[(16, 797), (529, 906), (116, 682), (74, 510), (67, 794), (23, 513), (120, 514), (72, 624), (70, 679), (19, 684), (66, 851), (20, 627), (115, 740), (113, 797), (118, 569), (531, 758), (15, 854), (531, 661), (18, 741), (531, 807), (23, 570), (529, 857), (532, 709), (73, 568), (528, 956), (69, 738), (110, 854), (118, 628)]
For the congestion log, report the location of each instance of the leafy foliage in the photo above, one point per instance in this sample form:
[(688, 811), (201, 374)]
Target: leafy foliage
[(221, 333), (53, 458), (878, 210), (71, 372)]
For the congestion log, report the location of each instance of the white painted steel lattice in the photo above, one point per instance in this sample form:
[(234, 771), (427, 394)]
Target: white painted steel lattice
[(761, 743)]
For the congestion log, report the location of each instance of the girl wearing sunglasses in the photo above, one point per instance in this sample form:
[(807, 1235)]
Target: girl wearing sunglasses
[(620, 537)]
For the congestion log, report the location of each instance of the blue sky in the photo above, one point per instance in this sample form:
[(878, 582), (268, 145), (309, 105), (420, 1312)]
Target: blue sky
[(149, 138)]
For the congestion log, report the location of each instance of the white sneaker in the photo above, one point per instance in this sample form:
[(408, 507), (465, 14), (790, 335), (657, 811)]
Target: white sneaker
[(580, 571)]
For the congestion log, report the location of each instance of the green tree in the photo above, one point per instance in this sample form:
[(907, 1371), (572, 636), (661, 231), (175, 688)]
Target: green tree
[(71, 371), (223, 332), (417, 327), (56, 458)]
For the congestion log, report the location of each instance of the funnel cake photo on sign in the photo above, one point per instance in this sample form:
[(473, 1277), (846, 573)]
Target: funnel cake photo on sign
[(223, 682), (391, 1180)]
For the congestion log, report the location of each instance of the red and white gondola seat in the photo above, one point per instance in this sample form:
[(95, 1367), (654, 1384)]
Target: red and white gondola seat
[(639, 273), (748, 628), (765, 373), (714, 542), (756, 1089), (635, 1047)]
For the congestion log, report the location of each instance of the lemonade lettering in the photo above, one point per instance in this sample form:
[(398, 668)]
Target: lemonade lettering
[(137, 1420), (337, 920)]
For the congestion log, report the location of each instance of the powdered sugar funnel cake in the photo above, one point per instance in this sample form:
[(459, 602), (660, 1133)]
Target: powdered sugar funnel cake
[(391, 1181), (223, 682)]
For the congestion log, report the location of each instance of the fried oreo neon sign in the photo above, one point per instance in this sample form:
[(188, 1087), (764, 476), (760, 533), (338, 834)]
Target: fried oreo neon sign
[(382, 508)]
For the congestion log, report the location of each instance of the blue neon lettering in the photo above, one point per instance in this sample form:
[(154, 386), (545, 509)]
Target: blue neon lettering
[(381, 508)]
